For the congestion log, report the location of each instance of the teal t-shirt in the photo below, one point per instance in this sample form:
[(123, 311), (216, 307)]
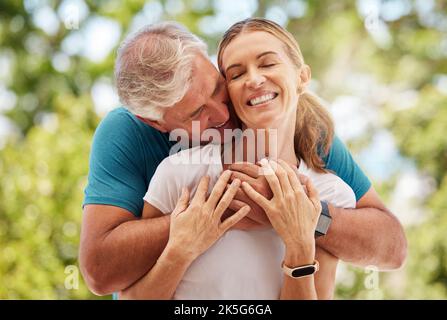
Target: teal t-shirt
[(126, 152), (340, 161), (124, 155)]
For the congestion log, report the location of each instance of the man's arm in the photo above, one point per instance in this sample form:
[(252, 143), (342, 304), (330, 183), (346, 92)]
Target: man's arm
[(367, 235), (162, 280), (117, 248), (325, 277), (164, 276)]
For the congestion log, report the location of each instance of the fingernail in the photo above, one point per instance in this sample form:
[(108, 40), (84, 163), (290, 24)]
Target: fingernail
[(235, 182)]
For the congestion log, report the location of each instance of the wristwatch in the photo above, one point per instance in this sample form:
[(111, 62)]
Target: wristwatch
[(302, 271), (324, 221)]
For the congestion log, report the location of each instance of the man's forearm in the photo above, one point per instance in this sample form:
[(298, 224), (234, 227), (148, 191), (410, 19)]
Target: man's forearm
[(162, 280), (366, 236), (126, 253)]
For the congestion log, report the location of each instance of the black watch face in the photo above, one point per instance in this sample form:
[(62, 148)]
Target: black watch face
[(303, 271)]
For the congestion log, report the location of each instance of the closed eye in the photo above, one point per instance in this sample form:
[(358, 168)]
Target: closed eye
[(238, 75), (196, 113)]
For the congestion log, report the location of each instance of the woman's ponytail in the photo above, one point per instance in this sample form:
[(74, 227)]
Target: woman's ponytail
[(314, 131)]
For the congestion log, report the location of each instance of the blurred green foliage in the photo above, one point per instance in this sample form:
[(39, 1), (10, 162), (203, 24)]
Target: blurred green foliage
[(44, 161)]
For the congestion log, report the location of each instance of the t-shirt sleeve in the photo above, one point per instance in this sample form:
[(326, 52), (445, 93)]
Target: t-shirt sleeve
[(180, 170), (116, 168), (340, 161), (165, 187)]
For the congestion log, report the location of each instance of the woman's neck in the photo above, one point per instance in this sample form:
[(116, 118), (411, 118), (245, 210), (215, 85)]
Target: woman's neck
[(257, 143)]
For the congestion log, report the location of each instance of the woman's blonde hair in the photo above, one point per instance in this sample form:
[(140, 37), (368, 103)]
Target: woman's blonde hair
[(314, 129)]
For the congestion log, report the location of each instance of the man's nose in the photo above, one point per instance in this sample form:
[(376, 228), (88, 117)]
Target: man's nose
[(218, 112)]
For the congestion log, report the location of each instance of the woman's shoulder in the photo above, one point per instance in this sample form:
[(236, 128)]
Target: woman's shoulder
[(187, 167), (183, 169), (331, 187)]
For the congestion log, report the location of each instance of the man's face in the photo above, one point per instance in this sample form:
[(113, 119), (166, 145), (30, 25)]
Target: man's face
[(205, 102)]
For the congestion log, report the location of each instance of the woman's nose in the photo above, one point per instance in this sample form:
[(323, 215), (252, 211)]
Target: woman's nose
[(255, 79)]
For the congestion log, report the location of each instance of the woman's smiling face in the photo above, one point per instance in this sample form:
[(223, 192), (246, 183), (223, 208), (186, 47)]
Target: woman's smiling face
[(261, 78)]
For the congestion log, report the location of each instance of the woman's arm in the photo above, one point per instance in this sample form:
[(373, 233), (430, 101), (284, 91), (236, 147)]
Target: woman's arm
[(299, 288), (323, 280), (367, 235)]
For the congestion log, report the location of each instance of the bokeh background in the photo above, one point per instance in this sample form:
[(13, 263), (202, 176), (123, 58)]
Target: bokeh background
[(380, 65)]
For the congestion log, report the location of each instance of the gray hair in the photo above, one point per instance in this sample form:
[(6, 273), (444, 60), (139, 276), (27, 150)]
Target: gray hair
[(153, 68)]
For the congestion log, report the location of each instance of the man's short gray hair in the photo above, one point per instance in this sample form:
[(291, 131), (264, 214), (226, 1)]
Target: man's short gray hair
[(153, 68)]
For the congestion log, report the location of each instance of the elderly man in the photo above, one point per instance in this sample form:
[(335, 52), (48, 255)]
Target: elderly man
[(166, 82)]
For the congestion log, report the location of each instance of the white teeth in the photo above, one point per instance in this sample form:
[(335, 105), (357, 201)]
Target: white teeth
[(262, 99)]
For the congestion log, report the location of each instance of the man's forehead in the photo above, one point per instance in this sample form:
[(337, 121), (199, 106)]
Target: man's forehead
[(195, 97), (205, 78), (204, 81), (203, 68)]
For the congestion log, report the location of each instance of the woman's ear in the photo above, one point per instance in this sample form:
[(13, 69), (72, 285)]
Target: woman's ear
[(154, 124), (305, 76)]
